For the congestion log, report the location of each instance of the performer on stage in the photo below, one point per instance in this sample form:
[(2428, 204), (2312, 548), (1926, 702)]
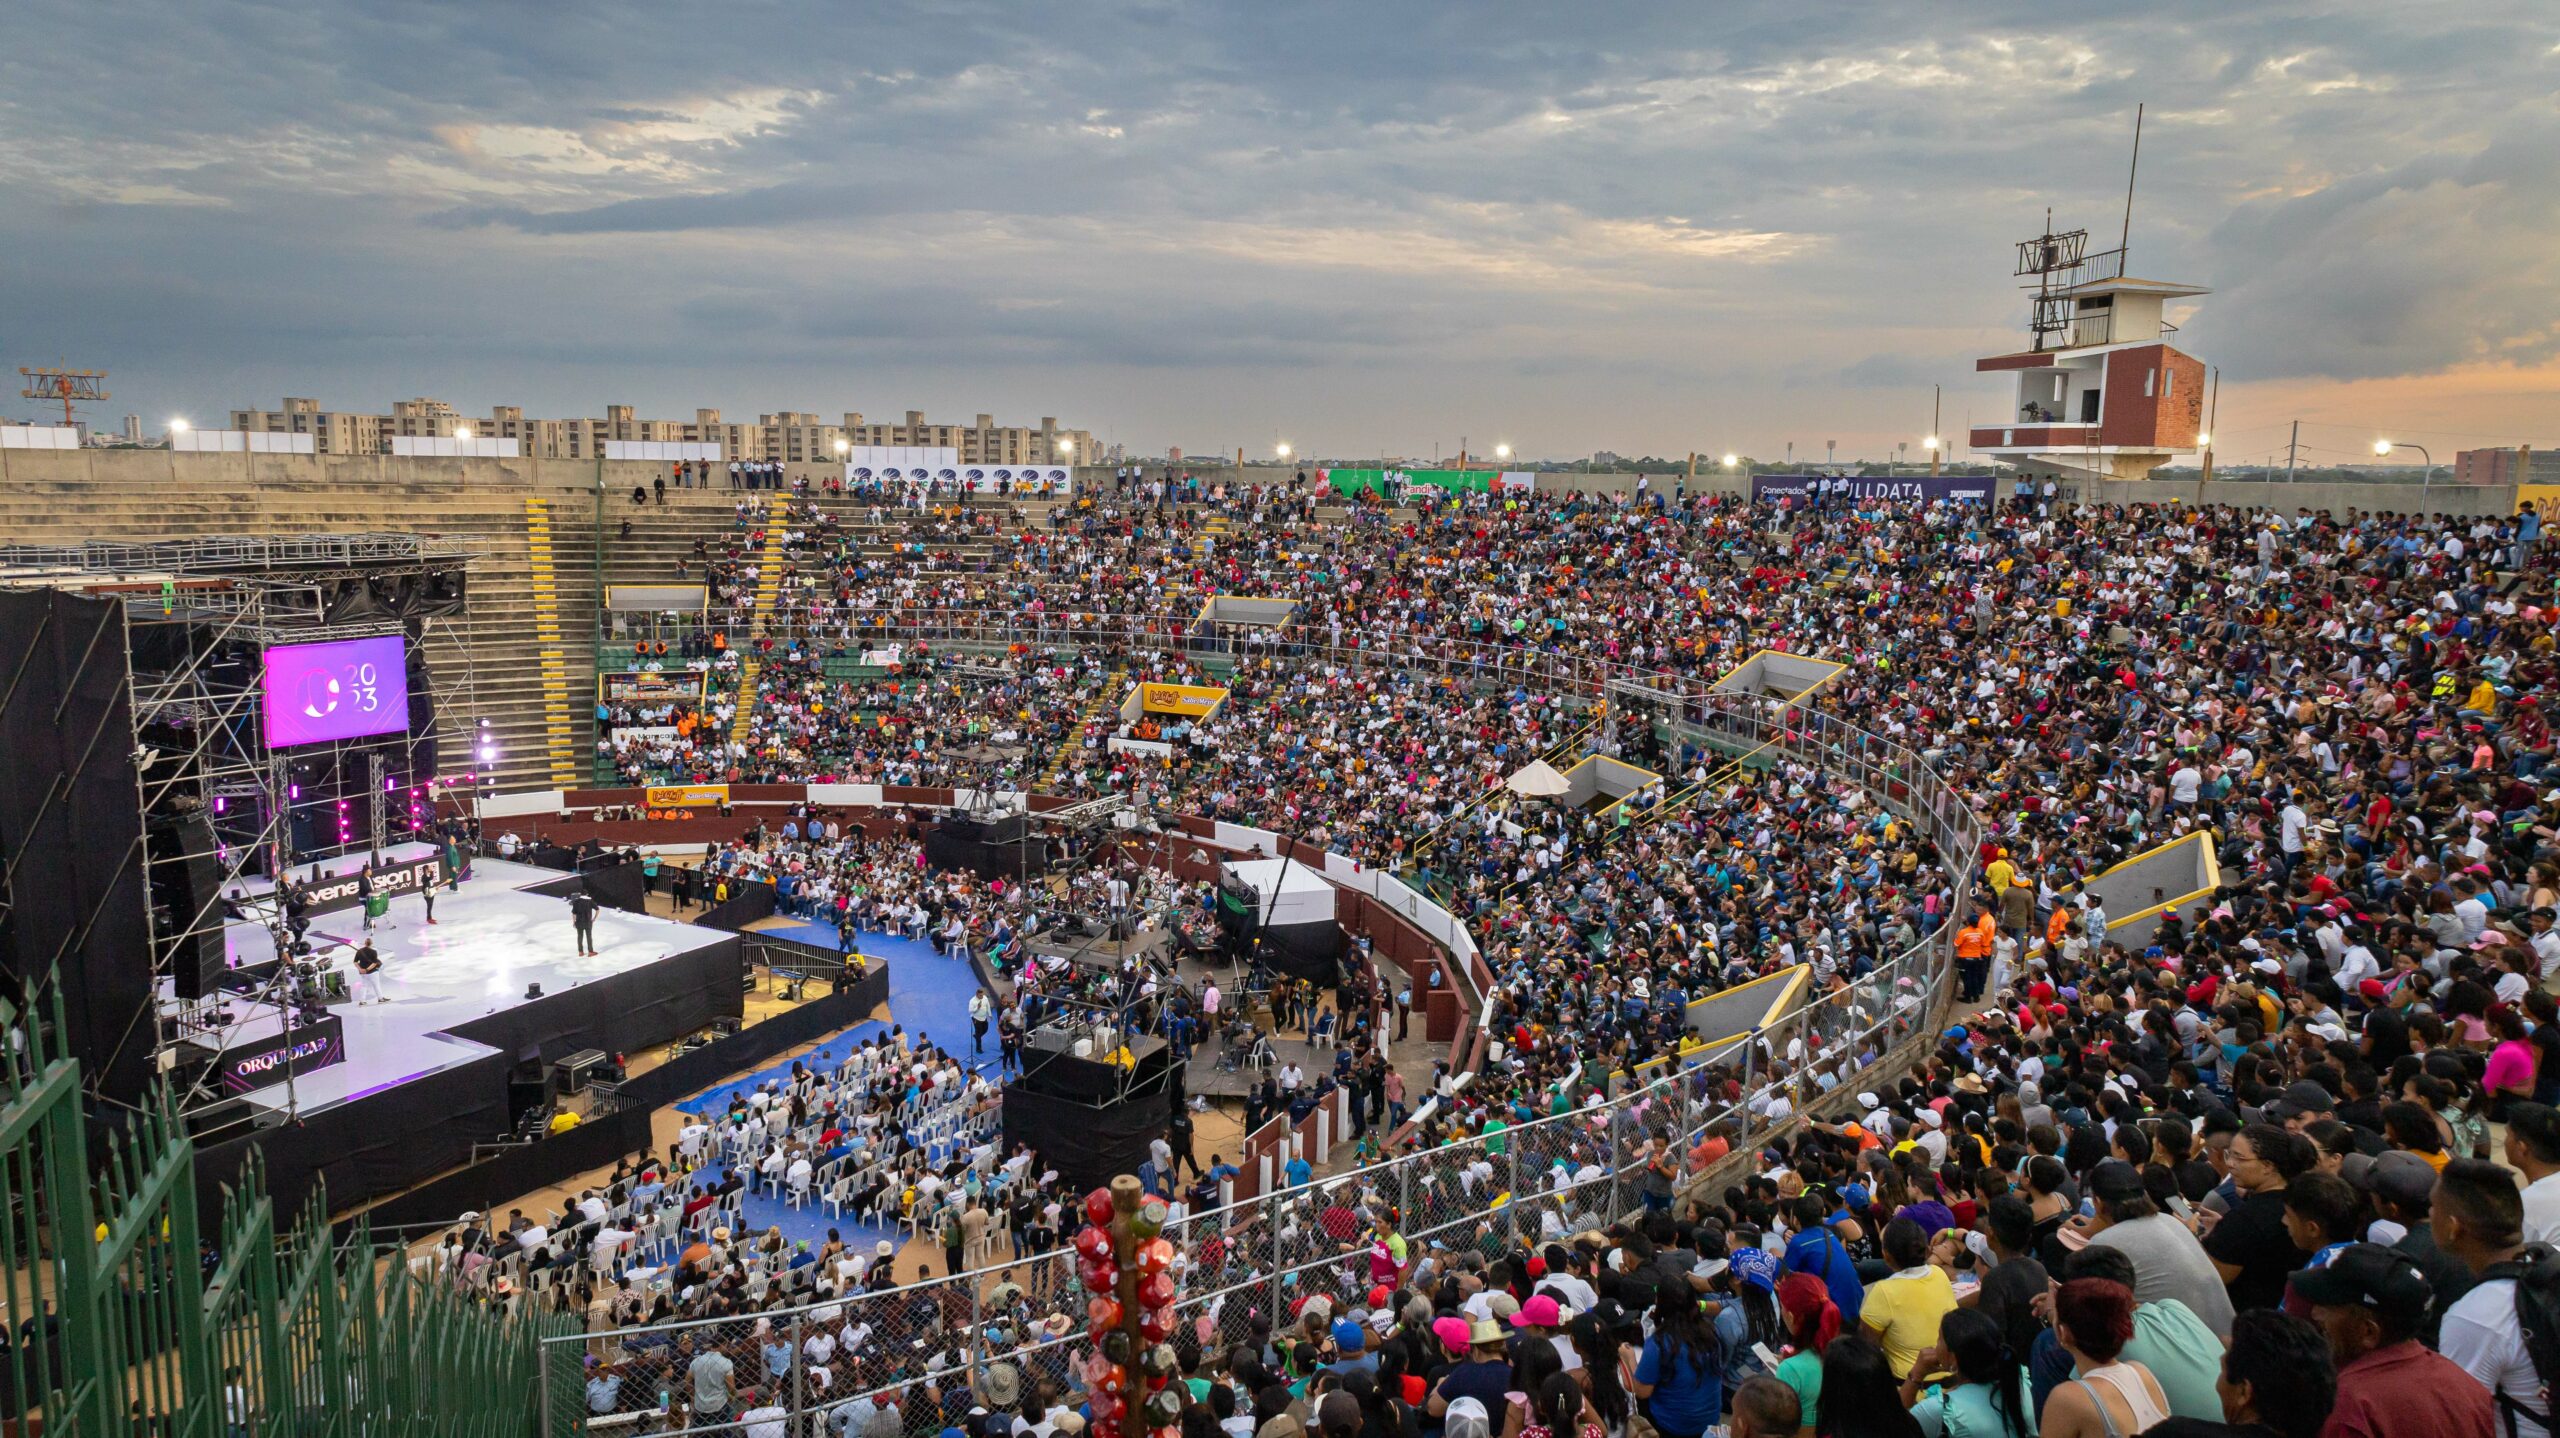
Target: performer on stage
[(582, 913), (368, 971)]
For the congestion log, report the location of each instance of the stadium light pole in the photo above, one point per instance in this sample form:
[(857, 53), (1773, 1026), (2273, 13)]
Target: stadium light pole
[(2383, 447), (1936, 448)]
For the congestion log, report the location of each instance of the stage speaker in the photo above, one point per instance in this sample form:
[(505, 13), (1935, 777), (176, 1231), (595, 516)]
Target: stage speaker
[(528, 1086), (444, 593), (393, 594), (185, 896), (343, 600)]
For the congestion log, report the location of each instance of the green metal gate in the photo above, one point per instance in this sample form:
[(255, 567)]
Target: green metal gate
[(117, 1319)]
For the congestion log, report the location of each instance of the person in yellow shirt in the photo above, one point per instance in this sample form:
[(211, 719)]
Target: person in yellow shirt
[(2000, 873), (2483, 699), (1902, 1313), (563, 1121)]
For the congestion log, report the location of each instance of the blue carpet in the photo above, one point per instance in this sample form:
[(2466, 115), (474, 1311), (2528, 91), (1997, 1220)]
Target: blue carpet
[(928, 996)]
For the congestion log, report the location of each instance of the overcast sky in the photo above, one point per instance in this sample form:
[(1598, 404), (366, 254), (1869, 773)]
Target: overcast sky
[(1364, 228)]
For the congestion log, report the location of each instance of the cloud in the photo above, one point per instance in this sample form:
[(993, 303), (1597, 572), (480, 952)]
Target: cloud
[(2444, 259), (1655, 227)]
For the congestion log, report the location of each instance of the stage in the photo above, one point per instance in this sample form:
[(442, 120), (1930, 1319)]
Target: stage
[(426, 1072)]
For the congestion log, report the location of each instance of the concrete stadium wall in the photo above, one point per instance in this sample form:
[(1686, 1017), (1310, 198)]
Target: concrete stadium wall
[(122, 469), (2465, 499), (118, 470)]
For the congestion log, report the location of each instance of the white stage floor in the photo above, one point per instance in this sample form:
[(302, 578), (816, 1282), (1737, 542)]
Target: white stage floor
[(489, 941)]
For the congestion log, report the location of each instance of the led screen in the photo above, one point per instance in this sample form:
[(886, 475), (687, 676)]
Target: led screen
[(346, 689)]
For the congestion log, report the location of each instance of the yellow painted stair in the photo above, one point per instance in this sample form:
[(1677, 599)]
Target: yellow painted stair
[(1073, 744), (559, 736), (768, 599)]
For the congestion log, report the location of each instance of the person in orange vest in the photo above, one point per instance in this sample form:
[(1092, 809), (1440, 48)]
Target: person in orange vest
[(1973, 955)]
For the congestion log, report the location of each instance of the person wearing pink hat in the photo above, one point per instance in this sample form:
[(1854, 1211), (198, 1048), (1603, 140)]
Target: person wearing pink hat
[(1541, 1320)]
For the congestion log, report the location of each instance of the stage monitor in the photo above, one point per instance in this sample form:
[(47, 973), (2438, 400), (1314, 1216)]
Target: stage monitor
[(344, 689)]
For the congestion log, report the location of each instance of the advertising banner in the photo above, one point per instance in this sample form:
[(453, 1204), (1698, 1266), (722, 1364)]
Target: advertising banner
[(688, 796), (650, 686), (1379, 481), (327, 895), (2545, 499), (297, 1051), (1193, 700), (1909, 489)]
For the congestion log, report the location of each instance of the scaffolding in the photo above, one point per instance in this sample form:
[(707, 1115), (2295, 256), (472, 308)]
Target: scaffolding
[(215, 801)]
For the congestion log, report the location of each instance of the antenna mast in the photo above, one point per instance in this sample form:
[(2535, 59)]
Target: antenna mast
[(65, 385), (2130, 170)]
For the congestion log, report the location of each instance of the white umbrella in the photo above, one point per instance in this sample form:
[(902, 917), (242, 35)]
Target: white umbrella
[(1538, 781)]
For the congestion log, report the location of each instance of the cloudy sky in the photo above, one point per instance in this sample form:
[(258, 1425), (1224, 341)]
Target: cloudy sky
[(1647, 227)]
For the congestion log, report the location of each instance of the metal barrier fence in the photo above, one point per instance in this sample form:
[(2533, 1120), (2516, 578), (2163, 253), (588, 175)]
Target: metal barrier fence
[(1251, 1263), (122, 1319)]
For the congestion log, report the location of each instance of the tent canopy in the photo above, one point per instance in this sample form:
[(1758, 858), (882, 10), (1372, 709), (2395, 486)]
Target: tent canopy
[(1538, 781)]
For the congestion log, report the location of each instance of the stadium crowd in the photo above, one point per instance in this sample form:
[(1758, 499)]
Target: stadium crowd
[(2285, 1165)]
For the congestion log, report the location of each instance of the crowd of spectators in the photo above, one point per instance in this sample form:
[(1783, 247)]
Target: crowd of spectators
[(2281, 1163)]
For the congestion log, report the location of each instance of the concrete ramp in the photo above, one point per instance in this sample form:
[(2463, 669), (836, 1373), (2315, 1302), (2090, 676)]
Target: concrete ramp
[(2179, 876), (1776, 674)]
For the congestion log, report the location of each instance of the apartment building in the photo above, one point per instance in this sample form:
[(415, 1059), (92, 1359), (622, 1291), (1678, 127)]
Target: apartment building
[(2525, 464), (791, 436), (332, 431)]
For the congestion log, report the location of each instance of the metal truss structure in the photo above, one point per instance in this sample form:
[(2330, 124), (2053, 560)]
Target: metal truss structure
[(197, 613)]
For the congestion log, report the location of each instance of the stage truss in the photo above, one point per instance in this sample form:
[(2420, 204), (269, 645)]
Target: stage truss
[(205, 600)]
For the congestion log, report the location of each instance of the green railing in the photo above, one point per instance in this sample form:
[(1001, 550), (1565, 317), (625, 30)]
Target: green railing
[(123, 1322)]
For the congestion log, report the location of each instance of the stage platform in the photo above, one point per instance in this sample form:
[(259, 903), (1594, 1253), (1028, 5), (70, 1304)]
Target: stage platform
[(426, 1072), (490, 940)]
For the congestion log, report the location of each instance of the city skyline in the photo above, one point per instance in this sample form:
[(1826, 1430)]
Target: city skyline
[(1351, 230)]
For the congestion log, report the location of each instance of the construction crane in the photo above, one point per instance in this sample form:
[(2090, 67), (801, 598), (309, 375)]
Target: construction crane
[(67, 385)]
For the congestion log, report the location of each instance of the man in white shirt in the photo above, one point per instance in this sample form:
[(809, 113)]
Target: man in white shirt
[(2545, 938), (592, 1208), (2533, 1149), (605, 1247), (2184, 783), (767, 1419), (2479, 1219), (2469, 908)]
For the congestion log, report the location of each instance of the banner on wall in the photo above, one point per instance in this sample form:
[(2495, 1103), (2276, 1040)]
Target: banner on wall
[(688, 796), (1915, 489), (1193, 700), (2545, 499), (652, 686), (1465, 481)]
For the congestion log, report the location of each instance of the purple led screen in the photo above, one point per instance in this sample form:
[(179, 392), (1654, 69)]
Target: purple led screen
[(346, 689)]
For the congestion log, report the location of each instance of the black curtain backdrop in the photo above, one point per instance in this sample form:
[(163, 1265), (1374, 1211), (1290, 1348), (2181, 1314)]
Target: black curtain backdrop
[(509, 1175), (1088, 1144), (749, 900), (749, 1048), (1078, 1117), (630, 1011), (74, 923), (617, 885), (377, 1145), (1303, 951)]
